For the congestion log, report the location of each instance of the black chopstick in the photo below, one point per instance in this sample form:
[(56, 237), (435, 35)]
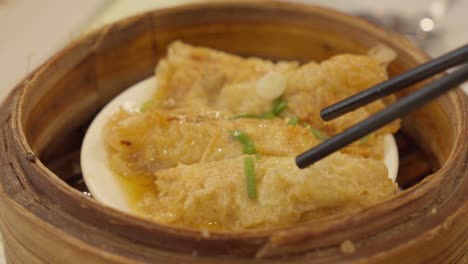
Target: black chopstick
[(397, 83), (385, 116)]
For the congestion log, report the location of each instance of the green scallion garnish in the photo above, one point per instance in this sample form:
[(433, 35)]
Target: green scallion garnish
[(293, 121), (249, 169), (319, 134), (248, 146), (364, 139), (279, 105), (146, 105)]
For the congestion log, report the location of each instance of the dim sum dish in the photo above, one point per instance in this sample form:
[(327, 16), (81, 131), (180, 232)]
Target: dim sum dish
[(170, 137), (176, 159)]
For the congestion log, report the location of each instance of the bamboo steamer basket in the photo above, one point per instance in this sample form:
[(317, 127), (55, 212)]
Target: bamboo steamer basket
[(45, 218)]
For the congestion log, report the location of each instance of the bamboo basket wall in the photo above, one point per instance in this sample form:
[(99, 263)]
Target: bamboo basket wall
[(46, 218)]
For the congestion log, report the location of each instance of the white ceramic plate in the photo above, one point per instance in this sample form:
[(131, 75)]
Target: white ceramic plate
[(102, 181), (99, 178)]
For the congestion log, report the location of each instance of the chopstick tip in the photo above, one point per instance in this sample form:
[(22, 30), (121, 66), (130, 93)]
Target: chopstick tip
[(302, 163), (326, 114)]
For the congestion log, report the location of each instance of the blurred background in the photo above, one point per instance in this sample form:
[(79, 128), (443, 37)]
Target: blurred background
[(31, 31)]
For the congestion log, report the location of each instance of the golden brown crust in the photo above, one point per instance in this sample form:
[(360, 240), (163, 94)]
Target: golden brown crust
[(183, 142)]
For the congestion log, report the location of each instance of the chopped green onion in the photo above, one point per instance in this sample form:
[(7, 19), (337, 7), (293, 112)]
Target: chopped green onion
[(249, 170), (248, 146), (319, 134), (279, 105), (146, 105), (364, 139), (293, 121), (258, 156)]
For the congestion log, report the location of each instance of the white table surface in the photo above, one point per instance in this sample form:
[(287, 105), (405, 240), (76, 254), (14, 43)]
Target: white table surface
[(31, 31)]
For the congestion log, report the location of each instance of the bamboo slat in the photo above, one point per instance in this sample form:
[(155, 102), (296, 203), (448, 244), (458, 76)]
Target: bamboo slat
[(46, 218)]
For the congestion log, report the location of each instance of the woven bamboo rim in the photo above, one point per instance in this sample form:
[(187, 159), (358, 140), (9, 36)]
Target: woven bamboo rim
[(44, 220)]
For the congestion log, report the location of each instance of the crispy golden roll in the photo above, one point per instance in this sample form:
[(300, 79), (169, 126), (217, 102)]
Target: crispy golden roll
[(213, 194), (183, 164)]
